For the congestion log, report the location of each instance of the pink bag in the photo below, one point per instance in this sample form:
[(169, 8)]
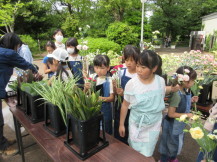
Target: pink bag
[(209, 124)]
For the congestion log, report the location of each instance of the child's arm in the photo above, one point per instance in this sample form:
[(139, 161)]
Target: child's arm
[(124, 109), (46, 70), (108, 99), (87, 86), (170, 89), (173, 114)]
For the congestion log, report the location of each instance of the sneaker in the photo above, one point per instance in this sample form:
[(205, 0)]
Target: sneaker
[(11, 142), (9, 151)]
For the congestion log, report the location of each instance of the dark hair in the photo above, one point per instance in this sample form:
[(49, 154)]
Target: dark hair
[(60, 68), (100, 60), (192, 73), (50, 44), (131, 51), (56, 31), (10, 41), (150, 59), (72, 42)]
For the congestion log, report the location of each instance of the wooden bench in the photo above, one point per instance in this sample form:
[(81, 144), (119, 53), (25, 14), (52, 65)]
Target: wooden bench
[(56, 150)]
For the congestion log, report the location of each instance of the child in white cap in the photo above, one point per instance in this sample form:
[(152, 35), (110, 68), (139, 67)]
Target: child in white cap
[(57, 61)]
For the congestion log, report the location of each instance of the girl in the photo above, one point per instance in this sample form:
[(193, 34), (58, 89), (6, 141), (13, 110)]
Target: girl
[(144, 95), (180, 103), (75, 60), (104, 83), (130, 55), (58, 36), (57, 64), (50, 47)]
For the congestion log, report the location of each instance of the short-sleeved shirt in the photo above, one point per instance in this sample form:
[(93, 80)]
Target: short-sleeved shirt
[(50, 74), (127, 73), (101, 80), (75, 58), (135, 86), (60, 45), (175, 99)]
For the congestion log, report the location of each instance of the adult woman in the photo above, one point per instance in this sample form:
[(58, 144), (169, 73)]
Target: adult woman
[(9, 58)]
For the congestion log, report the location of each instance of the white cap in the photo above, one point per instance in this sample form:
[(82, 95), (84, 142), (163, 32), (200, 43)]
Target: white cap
[(59, 54)]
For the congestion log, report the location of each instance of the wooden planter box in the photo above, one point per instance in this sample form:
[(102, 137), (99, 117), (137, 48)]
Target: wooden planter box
[(54, 123), (85, 136)]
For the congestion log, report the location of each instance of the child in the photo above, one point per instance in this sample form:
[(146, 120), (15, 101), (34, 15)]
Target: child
[(101, 67), (130, 55), (180, 103), (50, 47), (58, 36), (75, 60), (144, 95), (57, 64)]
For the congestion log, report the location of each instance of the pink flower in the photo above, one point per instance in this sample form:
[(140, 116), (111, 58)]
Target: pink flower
[(85, 47), (79, 47), (186, 78)]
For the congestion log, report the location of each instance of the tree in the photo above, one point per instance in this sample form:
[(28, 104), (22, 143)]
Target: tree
[(8, 14)]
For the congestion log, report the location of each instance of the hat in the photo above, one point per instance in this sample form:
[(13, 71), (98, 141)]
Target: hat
[(59, 54)]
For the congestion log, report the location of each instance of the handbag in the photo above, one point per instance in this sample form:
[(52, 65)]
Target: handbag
[(212, 119)]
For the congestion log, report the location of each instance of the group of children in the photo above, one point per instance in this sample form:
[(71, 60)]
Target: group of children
[(139, 119)]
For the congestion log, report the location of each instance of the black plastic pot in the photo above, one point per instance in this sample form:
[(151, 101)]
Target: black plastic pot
[(21, 97), (86, 136), (53, 120), (205, 95), (34, 108)]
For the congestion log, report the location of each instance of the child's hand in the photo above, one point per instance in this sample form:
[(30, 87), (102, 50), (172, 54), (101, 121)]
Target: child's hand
[(190, 115), (122, 131), (120, 91), (175, 88), (87, 86), (194, 99)]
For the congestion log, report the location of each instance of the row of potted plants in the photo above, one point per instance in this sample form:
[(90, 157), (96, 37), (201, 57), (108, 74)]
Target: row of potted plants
[(65, 108)]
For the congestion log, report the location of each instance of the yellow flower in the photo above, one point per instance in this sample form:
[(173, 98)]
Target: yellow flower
[(182, 118), (195, 117), (211, 136), (200, 87), (196, 133), (201, 78)]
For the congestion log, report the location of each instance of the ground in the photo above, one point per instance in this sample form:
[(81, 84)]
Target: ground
[(35, 153)]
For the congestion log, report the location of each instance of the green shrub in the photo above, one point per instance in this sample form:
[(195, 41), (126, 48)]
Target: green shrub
[(102, 44), (33, 45), (122, 34)]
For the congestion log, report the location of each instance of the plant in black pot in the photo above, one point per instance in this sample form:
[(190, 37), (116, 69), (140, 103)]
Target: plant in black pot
[(34, 106), (83, 123), (55, 111)]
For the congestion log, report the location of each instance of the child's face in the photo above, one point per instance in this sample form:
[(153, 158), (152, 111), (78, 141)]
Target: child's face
[(53, 67), (188, 84), (130, 63), (144, 72), (59, 33), (101, 70), (49, 50)]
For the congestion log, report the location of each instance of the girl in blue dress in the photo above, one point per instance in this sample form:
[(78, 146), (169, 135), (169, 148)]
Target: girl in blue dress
[(180, 103), (104, 84), (75, 60), (144, 95), (130, 57)]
